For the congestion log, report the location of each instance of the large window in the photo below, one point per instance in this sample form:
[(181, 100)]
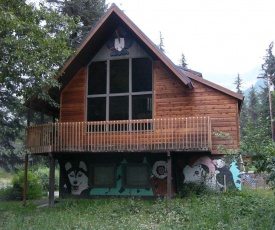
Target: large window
[(120, 90)]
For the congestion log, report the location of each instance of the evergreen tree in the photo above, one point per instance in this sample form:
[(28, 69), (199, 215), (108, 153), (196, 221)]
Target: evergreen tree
[(183, 61), (268, 66), (161, 45), (238, 83), (253, 105), (88, 11)]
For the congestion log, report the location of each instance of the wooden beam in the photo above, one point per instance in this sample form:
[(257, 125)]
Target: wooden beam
[(51, 178), (169, 179), (25, 180)]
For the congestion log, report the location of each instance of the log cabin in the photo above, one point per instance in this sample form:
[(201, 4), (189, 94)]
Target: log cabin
[(131, 122)]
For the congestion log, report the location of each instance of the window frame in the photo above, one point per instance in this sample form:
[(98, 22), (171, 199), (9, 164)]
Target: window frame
[(92, 174), (129, 94), (125, 184)]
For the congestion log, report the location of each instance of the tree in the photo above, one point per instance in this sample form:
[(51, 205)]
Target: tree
[(253, 105), (268, 66), (238, 83), (183, 61), (88, 11), (161, 45), (33, 44)]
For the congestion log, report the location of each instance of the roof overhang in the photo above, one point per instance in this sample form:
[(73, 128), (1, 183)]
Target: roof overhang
[(198, 77)]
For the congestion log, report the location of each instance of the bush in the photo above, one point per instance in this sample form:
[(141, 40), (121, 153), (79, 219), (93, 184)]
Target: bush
[(42, 173), (34, 188), (193, 188)]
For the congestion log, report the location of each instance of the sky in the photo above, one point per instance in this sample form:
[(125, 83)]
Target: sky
[(219, 38)]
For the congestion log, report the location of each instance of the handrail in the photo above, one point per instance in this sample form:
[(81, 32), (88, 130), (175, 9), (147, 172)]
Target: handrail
[(175, 134)]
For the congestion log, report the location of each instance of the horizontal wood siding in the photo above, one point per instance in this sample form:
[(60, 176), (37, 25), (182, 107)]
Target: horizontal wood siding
[(73, 99), (173, 99)]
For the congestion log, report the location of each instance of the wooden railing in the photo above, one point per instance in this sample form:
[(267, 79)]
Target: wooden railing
[(175, 134)]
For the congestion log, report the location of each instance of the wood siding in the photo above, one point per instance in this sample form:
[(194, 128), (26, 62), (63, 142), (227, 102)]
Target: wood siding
[(73, 99), (173, 99)]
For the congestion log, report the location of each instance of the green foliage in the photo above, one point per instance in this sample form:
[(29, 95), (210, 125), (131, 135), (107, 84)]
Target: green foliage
[(259, 146), (15, 192), (182, 62), (193, 189), (88, 12), (42, 173), (238, 82), (250, 209), (161, 44)]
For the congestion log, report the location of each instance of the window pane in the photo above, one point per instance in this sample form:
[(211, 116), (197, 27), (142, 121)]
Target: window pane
[(141, 74), (97, 78), (119, 76), (119, 108), (142, 107), (96, 109), (137, 175), (103, 176)]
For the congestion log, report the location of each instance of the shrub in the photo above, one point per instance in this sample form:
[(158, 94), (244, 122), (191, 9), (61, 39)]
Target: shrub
[(193, 188), (34, 189), (42, 173)]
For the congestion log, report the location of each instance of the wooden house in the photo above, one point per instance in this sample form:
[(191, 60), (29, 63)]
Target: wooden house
[(130, 121)]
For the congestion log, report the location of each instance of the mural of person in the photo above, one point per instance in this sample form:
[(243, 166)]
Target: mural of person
[(158, 180), (78, 177)]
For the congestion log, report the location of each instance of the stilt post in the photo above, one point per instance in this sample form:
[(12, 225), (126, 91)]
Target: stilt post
[(51, 178), (169, 179), (25, 180)]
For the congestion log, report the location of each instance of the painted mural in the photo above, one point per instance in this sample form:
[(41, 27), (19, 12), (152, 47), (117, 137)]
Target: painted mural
[(158, 180), (212, 171), (77, 175)]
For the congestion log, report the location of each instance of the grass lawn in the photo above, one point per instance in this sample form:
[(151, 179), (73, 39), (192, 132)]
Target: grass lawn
[(250, 209)]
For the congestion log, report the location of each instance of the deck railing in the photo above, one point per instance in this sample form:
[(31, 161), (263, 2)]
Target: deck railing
[(175, 134)]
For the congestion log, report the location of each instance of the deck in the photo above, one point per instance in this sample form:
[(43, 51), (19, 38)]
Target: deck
[(173, 134)]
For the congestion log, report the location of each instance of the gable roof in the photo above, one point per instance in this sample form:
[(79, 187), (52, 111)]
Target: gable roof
[(98, 36)]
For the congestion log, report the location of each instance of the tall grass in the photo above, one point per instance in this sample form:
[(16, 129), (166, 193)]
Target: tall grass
[(243, 210)]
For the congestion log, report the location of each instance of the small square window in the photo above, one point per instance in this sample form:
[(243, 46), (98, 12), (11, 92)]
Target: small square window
[(136, 176), (103, 176)]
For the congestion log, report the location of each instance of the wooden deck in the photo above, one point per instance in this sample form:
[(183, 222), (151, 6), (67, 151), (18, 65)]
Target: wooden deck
[(174, 134)]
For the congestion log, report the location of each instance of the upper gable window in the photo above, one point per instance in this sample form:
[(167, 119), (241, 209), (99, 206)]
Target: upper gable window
[(120, 89)]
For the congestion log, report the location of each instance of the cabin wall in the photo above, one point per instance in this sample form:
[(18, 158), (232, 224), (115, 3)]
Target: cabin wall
[(73, 99), (77, 174), (173, 99)]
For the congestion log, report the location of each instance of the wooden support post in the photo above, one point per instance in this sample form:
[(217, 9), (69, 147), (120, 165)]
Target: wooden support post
[(169, 179), (51, 178), (25, 180)]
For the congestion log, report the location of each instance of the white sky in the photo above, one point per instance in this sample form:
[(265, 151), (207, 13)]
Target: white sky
[(219, 38)]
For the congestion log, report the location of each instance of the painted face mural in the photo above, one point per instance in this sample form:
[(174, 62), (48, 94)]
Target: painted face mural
[(78, 177), (215, 168), (193, 174), (158, 180)]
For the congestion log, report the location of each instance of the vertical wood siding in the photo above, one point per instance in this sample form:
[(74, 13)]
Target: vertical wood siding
[(73, 99)]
